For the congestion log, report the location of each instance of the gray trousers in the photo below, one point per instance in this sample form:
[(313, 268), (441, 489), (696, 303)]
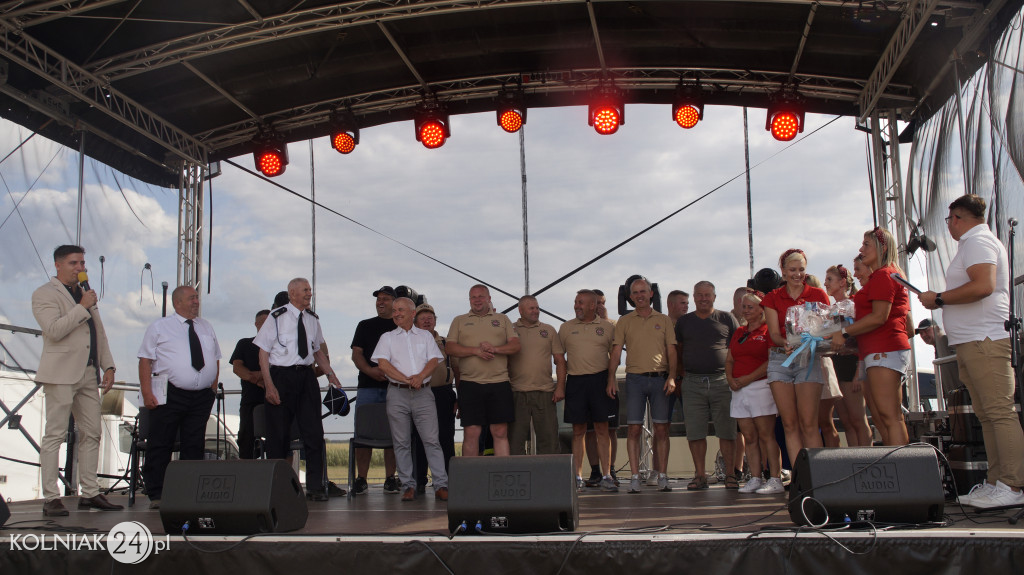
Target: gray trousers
[(407, 407)]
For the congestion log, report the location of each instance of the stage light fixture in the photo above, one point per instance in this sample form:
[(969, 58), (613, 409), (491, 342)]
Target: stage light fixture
[(432, 123), (511, 112), (688, 105), (606, 111), (344, 131), (785, 117), (270, 155)]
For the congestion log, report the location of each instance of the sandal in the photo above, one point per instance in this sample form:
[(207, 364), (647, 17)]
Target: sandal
[(731, 482), (700, 482)]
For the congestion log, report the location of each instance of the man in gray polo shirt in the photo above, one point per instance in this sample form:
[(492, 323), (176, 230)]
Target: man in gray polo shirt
[(703, 336)]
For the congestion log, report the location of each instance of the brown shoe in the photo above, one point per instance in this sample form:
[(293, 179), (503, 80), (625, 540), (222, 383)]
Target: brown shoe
[(54, 508), (409, 494), (441, 494), (99, 502)]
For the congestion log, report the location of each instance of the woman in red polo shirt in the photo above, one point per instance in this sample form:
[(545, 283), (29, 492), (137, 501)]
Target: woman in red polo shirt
[(797, 390), (752, 405), (881, 330), (850, 407)]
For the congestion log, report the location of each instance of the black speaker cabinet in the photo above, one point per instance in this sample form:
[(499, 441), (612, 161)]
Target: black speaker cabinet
[(237, 497), (5, 512), (521, 494), (883, 484), (964, 426), (969, 464)]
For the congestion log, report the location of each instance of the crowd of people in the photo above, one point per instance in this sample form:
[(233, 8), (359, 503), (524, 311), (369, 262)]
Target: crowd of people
[(733, 372)]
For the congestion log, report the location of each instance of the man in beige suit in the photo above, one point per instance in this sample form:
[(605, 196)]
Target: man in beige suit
[(75, 353)]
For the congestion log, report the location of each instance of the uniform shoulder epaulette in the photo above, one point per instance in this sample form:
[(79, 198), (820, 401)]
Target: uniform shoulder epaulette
[(310, 312), (277, 312)]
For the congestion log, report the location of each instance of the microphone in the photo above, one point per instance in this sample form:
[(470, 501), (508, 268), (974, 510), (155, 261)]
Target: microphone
[(83, 280), (1012, 222)]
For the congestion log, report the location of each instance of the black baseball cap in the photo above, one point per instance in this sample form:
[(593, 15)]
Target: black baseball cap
[(925, 324), (388, 290)]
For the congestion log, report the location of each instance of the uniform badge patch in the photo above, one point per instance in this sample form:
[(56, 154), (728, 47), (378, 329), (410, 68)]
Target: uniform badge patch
[(495, 323), (543, 333), (599, 331)]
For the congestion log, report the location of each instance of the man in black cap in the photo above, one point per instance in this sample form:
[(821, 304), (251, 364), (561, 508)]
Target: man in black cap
[(373, 384), (931, 333)]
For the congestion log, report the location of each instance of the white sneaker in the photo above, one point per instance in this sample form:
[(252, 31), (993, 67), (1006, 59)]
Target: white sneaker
[(652, 479), (581, 485), (773, 486), (634, 484), (752, 485), (663, 482), (980, 489), (999, 496)]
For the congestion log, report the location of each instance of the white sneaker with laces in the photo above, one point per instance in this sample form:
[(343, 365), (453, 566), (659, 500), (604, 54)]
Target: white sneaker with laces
[(980, 489), (663, 482), (753, 485), (773, 486), (634, 484), (652, 479), (581, 485), (999, 496)]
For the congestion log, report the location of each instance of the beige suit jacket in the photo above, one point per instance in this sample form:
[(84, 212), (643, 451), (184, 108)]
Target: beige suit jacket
[(66, 335)]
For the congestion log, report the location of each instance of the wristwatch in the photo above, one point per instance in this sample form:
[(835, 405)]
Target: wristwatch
[(845, 335), (938, 300)]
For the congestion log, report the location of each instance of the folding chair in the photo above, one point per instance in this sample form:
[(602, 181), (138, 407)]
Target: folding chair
[(372, 431)]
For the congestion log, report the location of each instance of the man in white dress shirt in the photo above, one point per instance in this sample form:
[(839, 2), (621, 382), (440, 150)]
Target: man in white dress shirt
[(290, 341), (408, 356), (181, 350)]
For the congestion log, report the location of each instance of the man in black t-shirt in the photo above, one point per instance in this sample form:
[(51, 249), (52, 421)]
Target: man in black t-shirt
[(373, 384), (245, 363)]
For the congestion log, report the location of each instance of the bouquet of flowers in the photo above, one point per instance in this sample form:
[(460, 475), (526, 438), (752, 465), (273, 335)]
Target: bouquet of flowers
[(807, 326)]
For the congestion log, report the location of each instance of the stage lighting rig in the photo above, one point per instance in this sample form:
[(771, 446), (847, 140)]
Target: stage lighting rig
[(431, 122), (344, 131), (785, 114), (511, 111), (607, 110), (688, 105), (270, 154)]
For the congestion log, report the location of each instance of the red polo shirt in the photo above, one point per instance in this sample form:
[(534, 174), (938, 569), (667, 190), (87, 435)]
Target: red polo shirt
[(779, 300), (749, 355), (892, 335)]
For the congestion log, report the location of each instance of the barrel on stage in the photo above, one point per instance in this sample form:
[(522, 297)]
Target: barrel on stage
[(882, 484), (237, 497), (521, 494), (964, 426)]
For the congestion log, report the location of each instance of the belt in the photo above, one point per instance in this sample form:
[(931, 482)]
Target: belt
[(401, 385), (294, 367), (661, 374)]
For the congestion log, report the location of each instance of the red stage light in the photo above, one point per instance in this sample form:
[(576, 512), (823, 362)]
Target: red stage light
[(511, 121), (785, 125), (432, 134), (271, 164), (343, 142), (606, 120), (687, 116)]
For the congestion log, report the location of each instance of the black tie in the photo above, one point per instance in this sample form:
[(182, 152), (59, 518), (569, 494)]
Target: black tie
[(303, 343), (195, 347)]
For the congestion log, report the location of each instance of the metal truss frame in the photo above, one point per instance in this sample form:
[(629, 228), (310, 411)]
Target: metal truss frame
[(190, 225)]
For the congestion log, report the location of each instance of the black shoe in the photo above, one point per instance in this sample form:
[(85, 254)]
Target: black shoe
[(392, 486), (359, 487), (595, 478), (316, 496), (334, 491), (421, 488)]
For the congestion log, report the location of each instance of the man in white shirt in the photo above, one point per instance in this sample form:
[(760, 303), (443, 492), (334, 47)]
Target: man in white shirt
[(180, 350), (408, 356), (975, 307)]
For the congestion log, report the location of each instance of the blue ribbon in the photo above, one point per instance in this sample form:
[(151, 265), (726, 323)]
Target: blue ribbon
[(806, 341)]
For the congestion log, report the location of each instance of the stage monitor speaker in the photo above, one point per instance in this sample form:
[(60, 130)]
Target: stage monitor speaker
[(881, 484), (522, 494), (236, 497), (5, 511)]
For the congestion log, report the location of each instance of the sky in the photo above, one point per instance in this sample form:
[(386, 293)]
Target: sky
[(460, 204)]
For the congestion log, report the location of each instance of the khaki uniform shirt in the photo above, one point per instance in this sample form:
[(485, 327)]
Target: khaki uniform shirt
[(442, 375), (530, 369), (587, 345), (646, 340), (471, 330)]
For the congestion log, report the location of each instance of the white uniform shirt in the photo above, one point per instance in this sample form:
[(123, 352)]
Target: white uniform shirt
[(409, 351), (166, 343), (984, 318), (279, 337)]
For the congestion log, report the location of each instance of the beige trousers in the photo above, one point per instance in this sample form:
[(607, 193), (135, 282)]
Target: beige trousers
[(82, 400)]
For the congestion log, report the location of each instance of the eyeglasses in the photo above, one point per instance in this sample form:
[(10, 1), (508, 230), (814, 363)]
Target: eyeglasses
[(951, 217)]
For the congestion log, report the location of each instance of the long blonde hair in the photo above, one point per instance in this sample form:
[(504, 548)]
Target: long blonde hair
[(885, 246)]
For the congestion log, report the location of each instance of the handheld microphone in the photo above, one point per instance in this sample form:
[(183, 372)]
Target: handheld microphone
[(83, 280), (1012, 222)]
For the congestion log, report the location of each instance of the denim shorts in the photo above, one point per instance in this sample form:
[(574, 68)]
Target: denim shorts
[(793, 374), (897, 361), (639, 390)]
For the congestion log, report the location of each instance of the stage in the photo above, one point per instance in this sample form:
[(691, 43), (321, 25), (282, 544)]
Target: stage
[(708, 532)]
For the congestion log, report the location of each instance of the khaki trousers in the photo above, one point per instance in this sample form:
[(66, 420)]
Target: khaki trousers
[(82, 400)]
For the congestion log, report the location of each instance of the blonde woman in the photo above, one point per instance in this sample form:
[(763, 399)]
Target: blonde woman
[(881, 330), (797, 390), (851, 407), (752, 406)]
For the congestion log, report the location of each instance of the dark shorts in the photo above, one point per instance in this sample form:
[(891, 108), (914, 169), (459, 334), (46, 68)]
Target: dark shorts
[(486, 403), (587, 401), (845, 366)]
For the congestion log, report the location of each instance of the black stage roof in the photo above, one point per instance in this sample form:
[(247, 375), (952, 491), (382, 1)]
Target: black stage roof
[(153, 82)]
